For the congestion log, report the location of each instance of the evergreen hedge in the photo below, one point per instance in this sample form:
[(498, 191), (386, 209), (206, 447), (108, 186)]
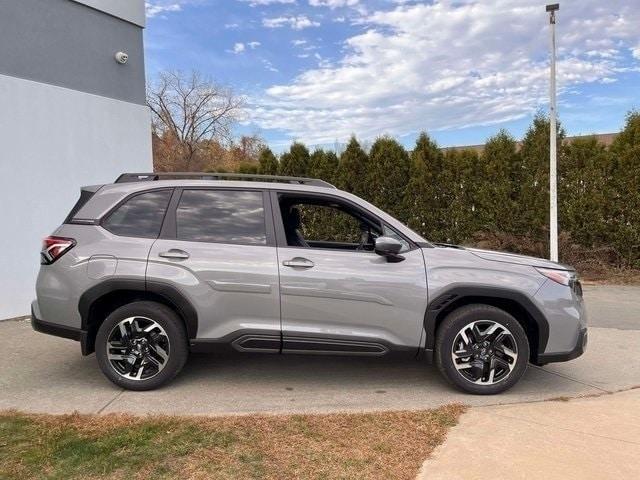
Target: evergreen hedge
[(500, 197)]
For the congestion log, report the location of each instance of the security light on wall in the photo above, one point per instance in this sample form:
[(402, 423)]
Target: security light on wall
[(122, 57)]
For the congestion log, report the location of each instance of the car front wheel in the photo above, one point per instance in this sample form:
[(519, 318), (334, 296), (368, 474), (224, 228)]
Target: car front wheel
[(141, 345), (481, 349)]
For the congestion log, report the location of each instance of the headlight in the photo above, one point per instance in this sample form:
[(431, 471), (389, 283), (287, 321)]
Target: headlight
[(563, 277)]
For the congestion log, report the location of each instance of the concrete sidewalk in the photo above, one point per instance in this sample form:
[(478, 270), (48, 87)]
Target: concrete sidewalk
[(589, 438)]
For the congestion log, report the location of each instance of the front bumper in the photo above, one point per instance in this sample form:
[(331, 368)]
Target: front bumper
[(62, 331), (581, 346), (566, 317)]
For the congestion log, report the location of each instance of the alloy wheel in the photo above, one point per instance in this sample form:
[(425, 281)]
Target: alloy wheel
[(484, 352), (138, 348)]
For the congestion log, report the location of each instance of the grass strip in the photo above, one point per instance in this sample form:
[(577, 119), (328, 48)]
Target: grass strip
[(324, 446)]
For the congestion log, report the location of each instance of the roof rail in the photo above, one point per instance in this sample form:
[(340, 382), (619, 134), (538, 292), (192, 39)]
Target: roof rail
[(145, 177)]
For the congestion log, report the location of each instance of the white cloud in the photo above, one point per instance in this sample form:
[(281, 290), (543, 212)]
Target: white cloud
[(153, 9), (298, 22), (261, 3), (297, 43), (603, 53), (448, 65), (333, 3), (322, 62), (269, 66), (241, 47)]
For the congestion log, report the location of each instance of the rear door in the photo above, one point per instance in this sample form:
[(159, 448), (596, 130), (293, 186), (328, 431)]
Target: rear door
[(337, 295), (218, 248), (131, 228)]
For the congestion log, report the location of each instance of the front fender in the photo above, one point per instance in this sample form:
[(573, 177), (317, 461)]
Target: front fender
[(464, 294)]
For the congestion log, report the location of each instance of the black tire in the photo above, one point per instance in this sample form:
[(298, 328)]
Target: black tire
[(175, 332), (449, 330)]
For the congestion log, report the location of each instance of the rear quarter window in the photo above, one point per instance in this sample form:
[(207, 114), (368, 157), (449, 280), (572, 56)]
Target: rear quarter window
[(85, 196), (140, 215)]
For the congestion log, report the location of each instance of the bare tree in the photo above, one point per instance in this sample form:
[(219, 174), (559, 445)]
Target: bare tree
[(187, 111)]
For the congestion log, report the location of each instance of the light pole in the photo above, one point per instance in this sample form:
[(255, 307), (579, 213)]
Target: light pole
[(553, 163)]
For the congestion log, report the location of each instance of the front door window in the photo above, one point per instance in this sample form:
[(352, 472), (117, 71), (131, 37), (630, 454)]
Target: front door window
[(327, 223)]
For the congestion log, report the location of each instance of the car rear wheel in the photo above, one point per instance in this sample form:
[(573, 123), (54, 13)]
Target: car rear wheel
[(141, 345), (481, 349)]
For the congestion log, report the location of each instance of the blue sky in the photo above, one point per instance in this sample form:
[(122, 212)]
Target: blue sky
[(320, 70)]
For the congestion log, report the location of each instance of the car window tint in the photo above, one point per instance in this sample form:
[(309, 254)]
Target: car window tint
[(140, 216), (221, 216), (322, 223)]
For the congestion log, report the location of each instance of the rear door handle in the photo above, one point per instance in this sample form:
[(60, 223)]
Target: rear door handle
[(175, 254), (298, 262)]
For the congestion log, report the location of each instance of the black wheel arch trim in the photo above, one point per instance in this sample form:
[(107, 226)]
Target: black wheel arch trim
[(162, 289), (459, 291)]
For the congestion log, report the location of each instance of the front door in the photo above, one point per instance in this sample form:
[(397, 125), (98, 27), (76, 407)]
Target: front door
[(218, 248), (337, 295)]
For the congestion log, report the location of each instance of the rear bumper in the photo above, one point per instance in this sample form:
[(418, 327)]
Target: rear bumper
[(62, 331), (579, 349)]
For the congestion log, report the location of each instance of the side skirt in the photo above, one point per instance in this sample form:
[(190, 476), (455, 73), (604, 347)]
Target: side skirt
[(247, 342), (329, 346), (268, 342)]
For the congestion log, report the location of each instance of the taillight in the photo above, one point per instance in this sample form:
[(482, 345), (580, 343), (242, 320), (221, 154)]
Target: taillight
[(54, 247)]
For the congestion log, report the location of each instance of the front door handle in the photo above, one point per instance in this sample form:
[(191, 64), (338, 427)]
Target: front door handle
[(175, 254), (298, 262)]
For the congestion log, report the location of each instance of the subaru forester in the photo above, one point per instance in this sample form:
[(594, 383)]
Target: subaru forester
[(152, 267)]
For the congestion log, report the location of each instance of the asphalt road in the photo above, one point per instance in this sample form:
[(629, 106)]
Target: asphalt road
[(613, 306), (40, 373)]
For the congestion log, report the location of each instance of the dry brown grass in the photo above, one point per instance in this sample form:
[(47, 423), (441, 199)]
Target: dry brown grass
[(609, 276), (372, 445)]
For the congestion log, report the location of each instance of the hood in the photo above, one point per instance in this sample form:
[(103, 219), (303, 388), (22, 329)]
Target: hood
[(506, 257)]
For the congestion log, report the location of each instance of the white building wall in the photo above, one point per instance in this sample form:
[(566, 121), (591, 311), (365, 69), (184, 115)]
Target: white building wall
[(53, 140)]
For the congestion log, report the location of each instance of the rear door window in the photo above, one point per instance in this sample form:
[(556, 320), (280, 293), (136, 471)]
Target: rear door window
[(139, 216), (221, 216)]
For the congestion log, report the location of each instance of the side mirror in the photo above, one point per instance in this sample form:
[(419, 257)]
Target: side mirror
[(389, 247)]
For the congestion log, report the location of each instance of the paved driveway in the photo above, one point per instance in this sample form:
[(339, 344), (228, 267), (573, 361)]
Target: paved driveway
[(40, 373)]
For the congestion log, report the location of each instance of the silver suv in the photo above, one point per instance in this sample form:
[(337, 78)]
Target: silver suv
[(154, 266)]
